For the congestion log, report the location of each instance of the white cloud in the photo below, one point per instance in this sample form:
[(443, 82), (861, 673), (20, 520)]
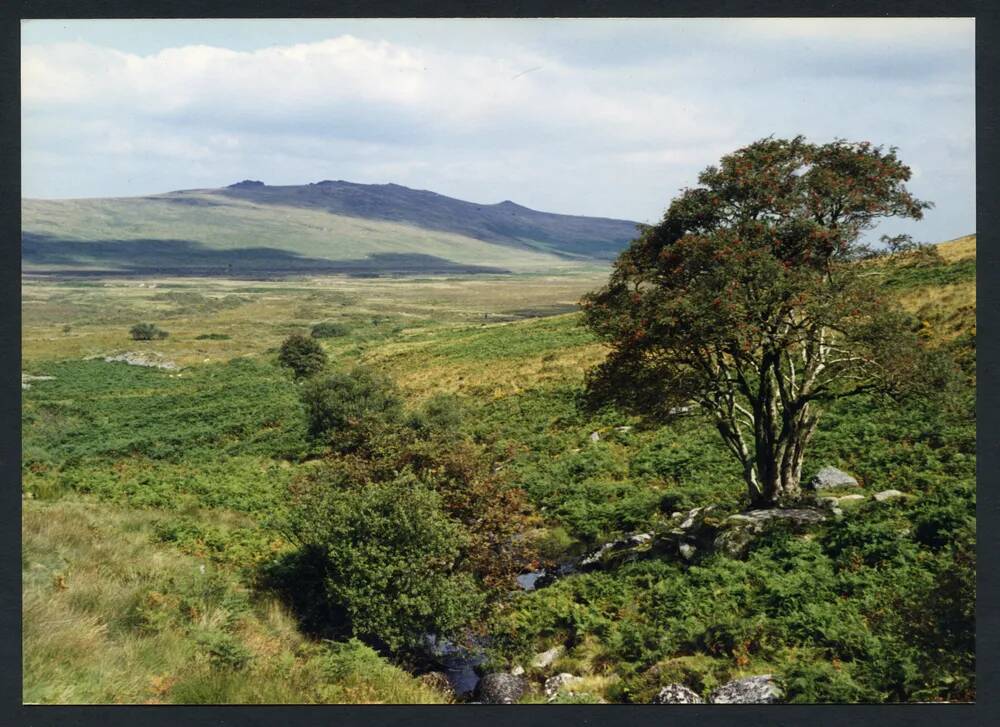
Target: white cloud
[(594, 117)]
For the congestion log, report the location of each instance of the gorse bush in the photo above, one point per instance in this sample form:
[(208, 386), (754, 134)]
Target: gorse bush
[(147, 332), (348, 410), (302, 355), (388, 557)]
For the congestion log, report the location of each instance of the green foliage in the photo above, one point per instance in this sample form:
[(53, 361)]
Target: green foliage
[(388, 556), (224, 651), (329, 330), (212, 337), (348, 410), (97, 410), (302, 355), (747, 299), (441, 413), (147, 332)]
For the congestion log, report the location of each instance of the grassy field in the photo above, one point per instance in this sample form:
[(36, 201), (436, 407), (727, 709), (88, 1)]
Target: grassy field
[(150, 495)]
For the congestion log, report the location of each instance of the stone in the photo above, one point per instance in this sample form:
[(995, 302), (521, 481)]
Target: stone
[(830, 478), (595, 437), (517, 671), (887, 495), (553, 685), (545, 659), (759, 689), (151, 359), (677, 694), (625, 428), (743, 528), (501, 688), (687, 550)]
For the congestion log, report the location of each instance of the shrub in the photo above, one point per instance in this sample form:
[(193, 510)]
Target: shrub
[(350, 409), (212, 337), (443, 413), (302, 355), (147, 332), (386, 556), (329, 330)]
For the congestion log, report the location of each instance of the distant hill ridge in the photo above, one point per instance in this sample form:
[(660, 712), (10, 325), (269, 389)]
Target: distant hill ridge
[(505, 223), (325, 226)]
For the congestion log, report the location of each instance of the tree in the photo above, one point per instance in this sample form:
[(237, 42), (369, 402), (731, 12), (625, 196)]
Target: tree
[(147, 332), (750, 298), (302, 355)]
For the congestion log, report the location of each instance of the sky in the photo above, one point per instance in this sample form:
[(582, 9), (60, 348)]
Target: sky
[(603, 117)]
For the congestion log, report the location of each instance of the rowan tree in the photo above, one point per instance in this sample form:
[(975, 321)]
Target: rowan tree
[(751, 299)]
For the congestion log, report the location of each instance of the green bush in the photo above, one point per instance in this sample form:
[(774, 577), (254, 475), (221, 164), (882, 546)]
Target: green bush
[(329, 330), (384, 558), (302, 355), (147, 332), (348, 410), (212, 337)]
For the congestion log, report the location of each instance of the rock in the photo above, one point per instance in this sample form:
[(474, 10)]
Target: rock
[(545, 659), (623, 429), (687, 550), (553, 685), (517, 671), (438, 680), (830, 478), (595, 437), (742, 529), (639, 538), (679, 410), (749, 690), (888, 495), (500, 688), (677, 694), (134, 358)]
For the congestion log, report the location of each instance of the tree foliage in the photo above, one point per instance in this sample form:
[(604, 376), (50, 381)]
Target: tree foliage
[(302, 355), (349, 410), (749, 299)]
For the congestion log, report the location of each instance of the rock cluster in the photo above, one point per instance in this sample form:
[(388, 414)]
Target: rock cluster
[(760, 689), (677, 694)]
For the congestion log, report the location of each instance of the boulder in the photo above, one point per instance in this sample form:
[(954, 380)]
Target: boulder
[(887, 495), (830, 478), (687, 550), (595, 437), (545, 659), (759, 689), (677, 694), (553, 685), (500, 688)]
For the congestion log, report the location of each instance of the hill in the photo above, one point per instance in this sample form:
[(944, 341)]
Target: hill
[(337, 227)]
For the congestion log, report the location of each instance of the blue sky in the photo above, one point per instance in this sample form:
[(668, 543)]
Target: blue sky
[(597, 117)]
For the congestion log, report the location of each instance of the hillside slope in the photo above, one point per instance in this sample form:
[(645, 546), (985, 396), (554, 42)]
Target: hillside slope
[(324, 227)]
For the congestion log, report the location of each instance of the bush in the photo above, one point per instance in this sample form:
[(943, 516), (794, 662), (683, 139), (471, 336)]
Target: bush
[(350, 409), (302, 355), (384, 558), (212, 337), (442, 413), (329, 330), (147, 332)]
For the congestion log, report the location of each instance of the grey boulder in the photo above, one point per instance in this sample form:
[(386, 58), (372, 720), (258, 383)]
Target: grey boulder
[(759, 689), (677, 694), (830, 478), (500, 688)]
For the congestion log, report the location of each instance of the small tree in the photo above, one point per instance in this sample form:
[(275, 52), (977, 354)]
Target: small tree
[(749, 299), (147, 332), (302, 355)]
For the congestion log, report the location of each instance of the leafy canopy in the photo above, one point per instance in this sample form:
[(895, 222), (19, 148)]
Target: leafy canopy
[(748, 299)]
